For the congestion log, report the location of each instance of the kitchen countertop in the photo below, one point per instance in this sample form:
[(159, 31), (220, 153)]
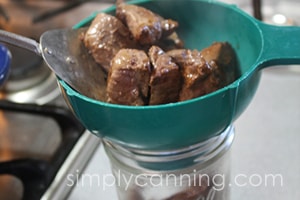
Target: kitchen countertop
[(265, 153), (268, 138)]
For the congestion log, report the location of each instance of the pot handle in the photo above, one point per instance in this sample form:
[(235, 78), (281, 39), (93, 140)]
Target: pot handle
[(281, 45)]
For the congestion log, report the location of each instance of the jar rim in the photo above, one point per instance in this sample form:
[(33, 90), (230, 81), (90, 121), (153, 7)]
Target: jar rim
[(199, 153)]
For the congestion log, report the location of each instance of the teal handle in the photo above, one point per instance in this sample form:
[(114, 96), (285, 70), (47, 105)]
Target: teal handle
[(281, 45)]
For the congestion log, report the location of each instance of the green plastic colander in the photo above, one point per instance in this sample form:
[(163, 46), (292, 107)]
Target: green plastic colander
[(178, 125)]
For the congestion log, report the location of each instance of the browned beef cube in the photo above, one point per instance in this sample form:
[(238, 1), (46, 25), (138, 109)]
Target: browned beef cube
[(143, 24), (146, 26), (224, 57), (128, 78), (206, 71), (105, 37), (165, 81), (195, 72)]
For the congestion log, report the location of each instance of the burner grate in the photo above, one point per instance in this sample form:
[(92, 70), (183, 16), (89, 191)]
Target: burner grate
[(37, 174)]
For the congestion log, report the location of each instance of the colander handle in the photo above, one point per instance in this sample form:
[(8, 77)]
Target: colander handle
[(281, 45)]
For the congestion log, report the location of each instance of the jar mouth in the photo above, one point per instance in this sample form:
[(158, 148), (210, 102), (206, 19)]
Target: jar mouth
[(194, 154)]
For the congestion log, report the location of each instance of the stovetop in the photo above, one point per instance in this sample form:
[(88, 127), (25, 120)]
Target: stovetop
[(267, 139)]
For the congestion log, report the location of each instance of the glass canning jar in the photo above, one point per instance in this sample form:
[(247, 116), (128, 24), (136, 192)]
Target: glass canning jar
[(198, 172)]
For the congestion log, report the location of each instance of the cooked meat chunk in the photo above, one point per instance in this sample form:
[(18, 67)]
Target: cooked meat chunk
[(169, 73), (196, 73), (105, 37), (224, 57), (146, 26), (165, 81), (205, 71), (129, 77)]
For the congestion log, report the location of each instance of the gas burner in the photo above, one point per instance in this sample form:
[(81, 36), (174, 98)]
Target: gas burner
[(41, 93), (30, 80)]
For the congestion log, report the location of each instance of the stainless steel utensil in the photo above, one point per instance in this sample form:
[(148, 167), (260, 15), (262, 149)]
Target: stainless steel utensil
[(66, 56)]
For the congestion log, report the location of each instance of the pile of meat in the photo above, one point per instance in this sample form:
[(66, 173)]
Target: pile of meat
[(146, 63)]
